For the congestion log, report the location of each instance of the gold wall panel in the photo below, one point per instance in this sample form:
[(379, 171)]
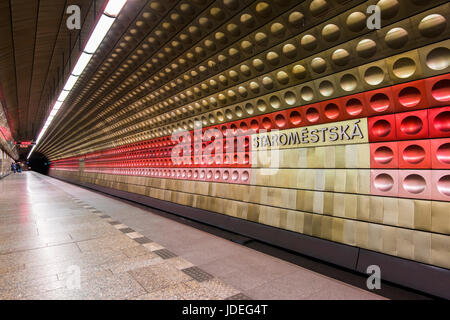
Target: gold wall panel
[(342, 227), (341, 157)]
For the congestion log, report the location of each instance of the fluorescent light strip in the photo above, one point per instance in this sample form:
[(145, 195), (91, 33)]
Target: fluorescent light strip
[(82, 62), (63, 96), (100, 31), (105, 22), (114, 7)]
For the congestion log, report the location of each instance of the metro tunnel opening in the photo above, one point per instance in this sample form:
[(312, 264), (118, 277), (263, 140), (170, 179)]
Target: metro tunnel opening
[(39, 163)]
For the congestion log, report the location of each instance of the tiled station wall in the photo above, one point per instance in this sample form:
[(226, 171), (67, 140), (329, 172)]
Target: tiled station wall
[(301, 66), (5, 163)]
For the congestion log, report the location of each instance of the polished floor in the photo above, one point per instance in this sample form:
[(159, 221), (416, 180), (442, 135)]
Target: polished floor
[(60, 241)]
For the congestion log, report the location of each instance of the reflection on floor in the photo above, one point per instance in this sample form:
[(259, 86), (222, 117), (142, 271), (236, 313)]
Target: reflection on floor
[(59, 241)]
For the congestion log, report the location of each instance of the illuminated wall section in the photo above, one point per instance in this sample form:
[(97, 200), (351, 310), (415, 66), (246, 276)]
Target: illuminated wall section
[(8, 151), (362, 119)]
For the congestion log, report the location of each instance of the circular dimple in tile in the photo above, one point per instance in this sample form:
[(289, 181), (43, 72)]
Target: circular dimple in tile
[(326, 88), (225, 175), (231, 4), (205, 22), (409, 97), (383, 155), (299, 71), (289, 50), (356, 21), (348, 82), (217, 13), (414, 183), (396, 38), (413, 154), (443, 153), (228, 114), (441, 90), (366, 48), (245, 70), (267, 82), (411, 125), (443, 185), (235, 176), (340, 57), (442, 121), (254, 124), (273, 58), (318, 65), (245, 176), (383, 182), (238, 111), (331, 111), (374, 75), (381, 128), (280, 120), (307, 93), (331, 32), (263, 9), (318, 7), (258, 64), (308, 42), (243, 126), (266, 123), (354, 107), (379, 102), (277, 29), (261, 105), (432, 25), (261, 39), (275, 102), (295, 117), (290, 98), (312, 114), (438, 58), (296, 19), (404, 68), (247, 20), (242, 91), (282, 77), (249, 108), (389, 8)]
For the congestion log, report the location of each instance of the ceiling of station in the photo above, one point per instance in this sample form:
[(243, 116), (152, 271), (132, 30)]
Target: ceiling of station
[(152, 56), (36, 50)]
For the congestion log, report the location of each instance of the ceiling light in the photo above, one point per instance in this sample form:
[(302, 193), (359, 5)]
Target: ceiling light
[(62, 97), (114, 7), (70, 82), (105, 22), (82, 62), (57, 105), (100, 31)]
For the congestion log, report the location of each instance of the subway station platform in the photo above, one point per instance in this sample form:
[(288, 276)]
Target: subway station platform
[(51, 231)]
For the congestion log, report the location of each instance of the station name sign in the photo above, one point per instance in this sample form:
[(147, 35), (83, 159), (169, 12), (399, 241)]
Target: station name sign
[(336, 133)]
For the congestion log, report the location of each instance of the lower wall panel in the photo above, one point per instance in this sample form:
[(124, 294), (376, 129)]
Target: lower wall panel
[(345, 242)]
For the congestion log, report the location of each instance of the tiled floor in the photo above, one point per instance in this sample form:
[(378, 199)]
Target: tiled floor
[(51, 232)]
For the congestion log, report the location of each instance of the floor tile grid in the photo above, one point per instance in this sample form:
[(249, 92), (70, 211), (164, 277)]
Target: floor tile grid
[(193, 272)]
